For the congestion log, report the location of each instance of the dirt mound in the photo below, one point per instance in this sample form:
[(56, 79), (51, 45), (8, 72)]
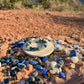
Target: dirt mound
[(18, 24)]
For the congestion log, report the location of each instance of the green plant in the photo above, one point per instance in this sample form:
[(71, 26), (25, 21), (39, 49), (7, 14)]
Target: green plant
[(46, 4)]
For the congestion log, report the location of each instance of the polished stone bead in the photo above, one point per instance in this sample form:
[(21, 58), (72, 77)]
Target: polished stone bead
[(14, 78), (57, 49), (21, 65), (15, 60), (39, 60), (26, 63), (11, 52), (53, 64), (76, 46), (22, 82), (43, 59), (27, 82), (70, 46), (52, 71), (13, 73), (20, 43), (7, 61), (6, 80), (62, 75), (44, 71), (7, 73), (39, 67), (14, 45), (74, 59), (46, 76), (15, 51), (37, 79), (2, 61), (17, 69), (41, 82), (58, 42), (73, 53), (35, 73), (1, 82), (5, 70), (35, 82), (33, 62), (31, 79), (13, 68)]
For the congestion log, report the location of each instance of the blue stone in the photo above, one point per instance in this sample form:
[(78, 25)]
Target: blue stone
[(13, 73), (20, 43), (62, 75), (33, 62), (7, 61), (39, 67), (14, 45), (73, 53), (58, 42), (22, 61), (15, 51), (27, 82), (14, 78), (30, 79), (76, 46), (57, 45), (43, 59), (22, 82), (46, 76), (11, 52), (26, 63), (70, 46), (21, 65), (6, 80), (1, 82), (35, 82), (35, 73), (44, 71), (57, 49), (37, 79)]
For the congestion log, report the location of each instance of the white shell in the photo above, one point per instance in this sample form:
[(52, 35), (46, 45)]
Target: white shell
[(74, 59)]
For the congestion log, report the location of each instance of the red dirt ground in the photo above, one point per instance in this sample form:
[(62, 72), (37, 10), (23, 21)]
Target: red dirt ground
[(18, 24)]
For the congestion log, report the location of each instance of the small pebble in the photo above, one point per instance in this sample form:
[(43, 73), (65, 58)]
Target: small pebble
[(73, 53), (22, 82), (0, 64), (46, 76), (52, 71), (52, 64), (6, 80), (31, 79), (1, 82), (74, 59), (43, 59), (39, 67), (35, 73), (61, 75), (72, 66), (44, 71), (33, 62), (37, 79)]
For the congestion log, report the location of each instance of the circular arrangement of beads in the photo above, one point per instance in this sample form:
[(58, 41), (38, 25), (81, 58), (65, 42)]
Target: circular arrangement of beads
[(53, 64), (37, 41)]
